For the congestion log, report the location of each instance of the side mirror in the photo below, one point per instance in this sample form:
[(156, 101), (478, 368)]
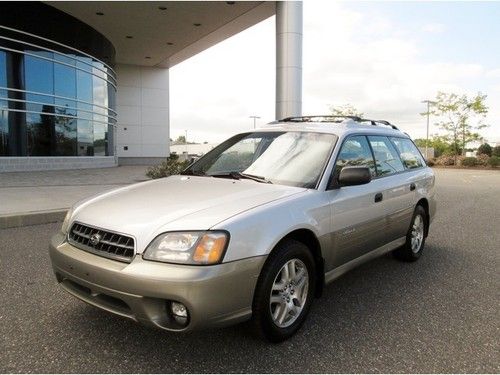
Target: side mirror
[(351, 176)]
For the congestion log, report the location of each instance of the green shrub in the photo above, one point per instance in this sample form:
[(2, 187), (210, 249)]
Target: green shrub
[(494, 161), (484, 149), (469, 162), (169, 167), (496, 151)]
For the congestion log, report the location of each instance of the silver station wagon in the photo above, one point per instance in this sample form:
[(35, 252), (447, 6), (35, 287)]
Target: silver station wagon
[(252, 230)]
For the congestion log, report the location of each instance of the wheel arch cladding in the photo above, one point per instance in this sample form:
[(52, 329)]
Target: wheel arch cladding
[(309, 239), (424, 203)]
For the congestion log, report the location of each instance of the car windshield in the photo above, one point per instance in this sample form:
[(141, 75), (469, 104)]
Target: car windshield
[(289, 158)]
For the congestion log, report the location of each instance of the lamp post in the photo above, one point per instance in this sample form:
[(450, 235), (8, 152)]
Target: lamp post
[(429, 102), (254, 120)]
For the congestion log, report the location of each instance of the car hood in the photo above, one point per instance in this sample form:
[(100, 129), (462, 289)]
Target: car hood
[(149, 208)]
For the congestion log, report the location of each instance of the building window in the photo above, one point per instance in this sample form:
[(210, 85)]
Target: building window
[(4, 113), (54, 102)]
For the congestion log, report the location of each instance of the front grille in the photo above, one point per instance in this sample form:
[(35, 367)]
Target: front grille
[(102, 242)]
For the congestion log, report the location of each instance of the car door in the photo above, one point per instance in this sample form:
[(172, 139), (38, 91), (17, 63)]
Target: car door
[(396, 187), (358, 215)]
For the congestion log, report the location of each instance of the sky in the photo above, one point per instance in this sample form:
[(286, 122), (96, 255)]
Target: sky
[(383, 58)]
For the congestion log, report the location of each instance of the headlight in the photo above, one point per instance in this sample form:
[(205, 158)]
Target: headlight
[(188, 247), (67, 218)]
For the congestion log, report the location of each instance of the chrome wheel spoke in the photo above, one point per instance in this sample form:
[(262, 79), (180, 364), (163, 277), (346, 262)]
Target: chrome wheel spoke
[(291, 269), (417, 234), (299, 276), (276, 299), (289, 293), (285, 274), (283, 313), (278, 286)]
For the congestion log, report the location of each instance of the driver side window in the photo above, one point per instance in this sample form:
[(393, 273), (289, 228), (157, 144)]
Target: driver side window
[(355, 152)]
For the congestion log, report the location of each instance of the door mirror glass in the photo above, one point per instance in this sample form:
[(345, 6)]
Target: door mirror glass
[(351, 176)]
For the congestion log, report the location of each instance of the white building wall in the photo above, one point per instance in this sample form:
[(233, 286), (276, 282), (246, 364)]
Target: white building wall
[(142, 104)]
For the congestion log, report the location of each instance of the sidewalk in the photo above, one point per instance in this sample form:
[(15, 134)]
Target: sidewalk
[(28, 198)]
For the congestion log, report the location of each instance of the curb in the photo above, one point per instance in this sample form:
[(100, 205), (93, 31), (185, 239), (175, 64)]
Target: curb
[(32, 218)]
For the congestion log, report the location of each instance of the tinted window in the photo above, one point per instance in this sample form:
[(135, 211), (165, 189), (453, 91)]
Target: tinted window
[(39, 76), (64, 81), (3, 70), (386, 157), (355, 152), (4, 129), (410, 155)]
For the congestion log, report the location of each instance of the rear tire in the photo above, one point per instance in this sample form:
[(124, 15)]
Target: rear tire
[(285, 291), (415, 238)]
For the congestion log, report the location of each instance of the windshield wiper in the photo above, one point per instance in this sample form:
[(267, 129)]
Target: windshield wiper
[(190, 172), (238, 176)]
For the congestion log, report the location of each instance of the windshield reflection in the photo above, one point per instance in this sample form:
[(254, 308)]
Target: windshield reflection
[(288, 158)]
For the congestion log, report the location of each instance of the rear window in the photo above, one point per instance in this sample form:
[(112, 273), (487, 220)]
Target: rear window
[(409, 153)]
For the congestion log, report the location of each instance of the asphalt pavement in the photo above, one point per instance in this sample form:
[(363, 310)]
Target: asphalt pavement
[(440, 314)]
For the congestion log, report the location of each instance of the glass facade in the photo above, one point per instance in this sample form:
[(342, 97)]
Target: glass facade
[(55, 100)]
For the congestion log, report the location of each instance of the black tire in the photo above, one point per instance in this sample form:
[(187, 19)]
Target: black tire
[(405, 252), (262, 319)]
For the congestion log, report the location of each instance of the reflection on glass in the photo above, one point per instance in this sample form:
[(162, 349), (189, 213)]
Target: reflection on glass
[(288, 158), (64, 81), (41, 138), (100, 132), (3, 70), (4, 129), (386, 157), (355, 152), (39, 73), (63, 104), (85, 138), (65, 132), (412, 158)]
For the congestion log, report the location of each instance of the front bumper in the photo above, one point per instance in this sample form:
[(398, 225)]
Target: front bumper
[(141, 290)]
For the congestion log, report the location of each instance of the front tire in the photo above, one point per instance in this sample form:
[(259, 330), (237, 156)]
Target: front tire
[(285, 291), (415, 238)]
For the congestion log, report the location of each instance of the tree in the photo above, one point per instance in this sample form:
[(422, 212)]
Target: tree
[(345, 110), (439, 143), (461, 117), (484, 149), (181, 139), (496, 151)]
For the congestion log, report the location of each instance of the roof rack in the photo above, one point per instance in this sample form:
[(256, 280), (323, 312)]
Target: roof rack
[(336, 119)]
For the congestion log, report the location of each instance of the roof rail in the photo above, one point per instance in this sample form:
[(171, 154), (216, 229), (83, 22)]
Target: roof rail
[(319, 118), (337, 119)]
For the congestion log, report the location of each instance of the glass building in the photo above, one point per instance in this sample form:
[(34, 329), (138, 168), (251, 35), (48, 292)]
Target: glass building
[(85, 84), (57, 85)]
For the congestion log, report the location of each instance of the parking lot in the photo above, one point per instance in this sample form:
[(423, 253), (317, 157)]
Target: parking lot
[(440, 314)]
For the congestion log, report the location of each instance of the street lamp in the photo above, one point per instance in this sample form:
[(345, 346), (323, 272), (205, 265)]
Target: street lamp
[(254, 120), (429, 102)]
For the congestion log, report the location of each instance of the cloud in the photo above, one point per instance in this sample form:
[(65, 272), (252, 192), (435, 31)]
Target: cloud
[(349, 56), (385, 76), (434, 28)]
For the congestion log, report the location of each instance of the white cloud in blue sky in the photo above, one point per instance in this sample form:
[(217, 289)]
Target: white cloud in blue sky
[(382, 57)]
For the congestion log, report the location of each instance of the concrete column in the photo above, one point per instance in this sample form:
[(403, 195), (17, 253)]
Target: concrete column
[(288, 59)]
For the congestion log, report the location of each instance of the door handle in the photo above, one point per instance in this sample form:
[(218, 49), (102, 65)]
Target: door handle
[(412, 186), (379, 197)]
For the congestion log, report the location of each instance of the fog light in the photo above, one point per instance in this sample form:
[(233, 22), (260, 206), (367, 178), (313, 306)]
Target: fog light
[(180, 312)]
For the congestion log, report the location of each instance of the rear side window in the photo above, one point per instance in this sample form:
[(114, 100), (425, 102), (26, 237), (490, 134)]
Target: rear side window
[(386, 157), (355, 151), (409, 153)]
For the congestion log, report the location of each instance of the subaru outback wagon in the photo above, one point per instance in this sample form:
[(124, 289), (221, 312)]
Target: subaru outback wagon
[(252, 230)]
